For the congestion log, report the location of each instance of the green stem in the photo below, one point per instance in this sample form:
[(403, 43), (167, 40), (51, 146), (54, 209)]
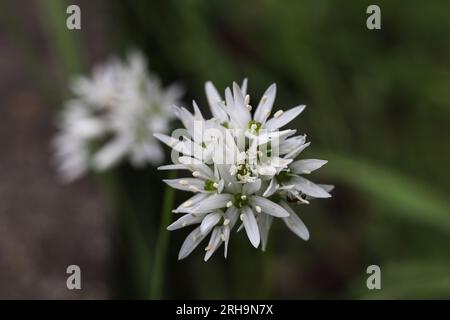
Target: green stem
[(162, 243)]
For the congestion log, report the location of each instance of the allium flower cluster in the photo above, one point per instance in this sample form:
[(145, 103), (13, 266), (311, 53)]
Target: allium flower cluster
[(112, 117), (242, 169)]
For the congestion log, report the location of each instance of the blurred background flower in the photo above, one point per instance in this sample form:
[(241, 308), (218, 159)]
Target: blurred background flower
[(378, 104), (112, 116)]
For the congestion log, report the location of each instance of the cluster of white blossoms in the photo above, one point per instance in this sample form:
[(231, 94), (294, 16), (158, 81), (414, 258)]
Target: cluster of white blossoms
[(242, 169), (112, 117)]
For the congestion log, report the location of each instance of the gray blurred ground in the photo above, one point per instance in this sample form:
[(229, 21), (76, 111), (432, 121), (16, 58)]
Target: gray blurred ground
[(44, 225)]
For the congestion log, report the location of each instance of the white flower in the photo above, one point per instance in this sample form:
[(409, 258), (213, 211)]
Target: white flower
[(112, 117), (243, 169)]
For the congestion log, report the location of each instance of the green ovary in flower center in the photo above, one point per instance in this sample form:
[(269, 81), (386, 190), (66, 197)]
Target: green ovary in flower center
[(240, 200), (210, 185), (254, 126)]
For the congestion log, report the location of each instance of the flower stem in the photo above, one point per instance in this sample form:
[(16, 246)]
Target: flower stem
[(162, 243)]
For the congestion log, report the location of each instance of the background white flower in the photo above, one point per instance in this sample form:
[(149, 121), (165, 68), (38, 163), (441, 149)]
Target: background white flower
[(112, 117)]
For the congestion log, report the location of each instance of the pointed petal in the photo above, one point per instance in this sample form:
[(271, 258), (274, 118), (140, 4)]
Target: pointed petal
[(268, 206), (191, 203), (238, 112), (232, 214), (229, 99), (209, 221), (309, 188), (292, 143), (265, 105), (267, 170), (226, 234), (173, 167), (197, 113), (327, 187), (244, 87), (186, 220), (294, 153), (197, 165), (214, 99), (213, 203), (306, 166), (186, 184), (294, 223), (251, 226), (285, 118), (214, 243), (251, 187), (271, 189), (190, 243)]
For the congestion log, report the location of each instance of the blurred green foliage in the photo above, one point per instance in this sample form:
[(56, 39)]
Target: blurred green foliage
[(378, 110)]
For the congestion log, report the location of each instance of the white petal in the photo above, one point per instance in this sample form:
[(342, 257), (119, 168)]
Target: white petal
[(185, 117), (197, 165), (306, 166), (276, 136), (271, 189), (186, 184), (232, 214), (251, 226), (173, 167), (226, 233), (294, 153), (285, 118), (309, 188), (251, 187), (290, 144), (214, 243), (220, 186), (197, 113), (213, 203), (327, 187), (185, 220), (214, 99), (191, 203), (166, 139), (268, 206), (244, 87), (265, 105), (238, 112), (229, 99), (209, 221), (192, 241), (294, 223)]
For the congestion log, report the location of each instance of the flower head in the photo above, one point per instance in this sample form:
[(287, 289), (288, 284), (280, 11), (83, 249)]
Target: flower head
[(112, 117), (243, 169)]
